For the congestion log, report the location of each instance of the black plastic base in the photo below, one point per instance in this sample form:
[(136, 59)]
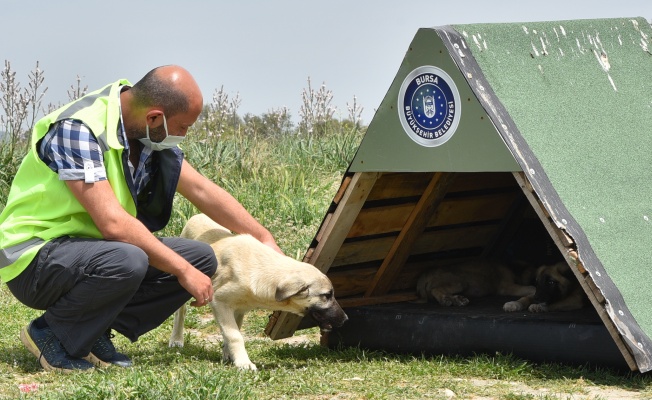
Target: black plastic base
[(575, 337)]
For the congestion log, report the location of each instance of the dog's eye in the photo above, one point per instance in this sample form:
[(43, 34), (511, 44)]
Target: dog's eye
[(328, 295), (551, 282)]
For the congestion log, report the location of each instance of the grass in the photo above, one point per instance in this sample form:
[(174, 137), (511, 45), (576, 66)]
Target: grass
[(288, 183), (297, 369)]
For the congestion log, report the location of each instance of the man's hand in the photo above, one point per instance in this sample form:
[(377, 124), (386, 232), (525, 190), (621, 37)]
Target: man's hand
[(198, 285), (272, 243)]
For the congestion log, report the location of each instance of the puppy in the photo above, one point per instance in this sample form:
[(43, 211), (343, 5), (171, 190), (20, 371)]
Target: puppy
[(250, 275), (557, 289), (449, 285)]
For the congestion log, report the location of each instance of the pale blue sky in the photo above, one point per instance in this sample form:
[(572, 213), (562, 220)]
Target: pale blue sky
[(263, 50)]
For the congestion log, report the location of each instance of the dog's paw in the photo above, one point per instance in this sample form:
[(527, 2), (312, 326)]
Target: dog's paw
[(512, 306), (241, 360), (445, 301), (460, 301), (538, 308), (454, 300), (246, 366), (175, 343)]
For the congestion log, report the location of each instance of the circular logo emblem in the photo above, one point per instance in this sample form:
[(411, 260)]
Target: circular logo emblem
[(429, 106)]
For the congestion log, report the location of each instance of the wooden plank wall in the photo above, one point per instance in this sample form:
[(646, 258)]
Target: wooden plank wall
[(411, 221)]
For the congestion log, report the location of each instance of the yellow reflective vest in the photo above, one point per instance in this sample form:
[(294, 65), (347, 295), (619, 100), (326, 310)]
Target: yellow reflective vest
[(40, 207)]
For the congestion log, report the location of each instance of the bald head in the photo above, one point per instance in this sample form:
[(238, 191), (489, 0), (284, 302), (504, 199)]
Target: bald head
[(170, 87)]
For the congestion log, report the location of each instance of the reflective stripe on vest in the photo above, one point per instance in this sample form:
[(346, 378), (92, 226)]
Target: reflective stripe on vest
[(9, 255)]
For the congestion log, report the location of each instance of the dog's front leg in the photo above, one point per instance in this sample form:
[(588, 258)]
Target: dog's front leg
[(234, 347), (176, 338), (518, 305)]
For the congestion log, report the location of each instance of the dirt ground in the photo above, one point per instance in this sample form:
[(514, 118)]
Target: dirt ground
[(593, 392)]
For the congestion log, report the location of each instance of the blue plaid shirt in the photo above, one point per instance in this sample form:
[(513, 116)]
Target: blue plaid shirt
[(70, 150)]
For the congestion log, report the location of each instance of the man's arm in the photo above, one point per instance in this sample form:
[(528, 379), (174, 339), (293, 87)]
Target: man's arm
[(114, 223), (220, 206)]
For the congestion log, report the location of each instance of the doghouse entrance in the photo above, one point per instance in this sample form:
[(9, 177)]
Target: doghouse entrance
[(412, 221), (409, 222)]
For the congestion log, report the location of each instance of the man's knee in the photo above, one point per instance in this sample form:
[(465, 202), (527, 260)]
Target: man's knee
[(198, 254), (127, 261)]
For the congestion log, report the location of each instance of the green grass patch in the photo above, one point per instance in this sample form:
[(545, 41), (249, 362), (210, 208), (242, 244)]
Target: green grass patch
[(287, 182)]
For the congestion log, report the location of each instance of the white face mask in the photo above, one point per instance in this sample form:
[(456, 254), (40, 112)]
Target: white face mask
[(168, 142)]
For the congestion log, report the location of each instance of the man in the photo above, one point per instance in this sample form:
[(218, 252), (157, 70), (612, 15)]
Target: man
[(76, 234)]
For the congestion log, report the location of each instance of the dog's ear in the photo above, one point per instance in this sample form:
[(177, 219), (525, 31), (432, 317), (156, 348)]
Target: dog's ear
[(564, 270), (289, 288)]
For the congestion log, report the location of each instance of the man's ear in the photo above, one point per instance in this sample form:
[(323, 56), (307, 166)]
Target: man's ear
[(154, 118)]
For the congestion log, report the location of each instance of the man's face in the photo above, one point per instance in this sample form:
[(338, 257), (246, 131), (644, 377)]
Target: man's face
[(157, 134), (177, 126)]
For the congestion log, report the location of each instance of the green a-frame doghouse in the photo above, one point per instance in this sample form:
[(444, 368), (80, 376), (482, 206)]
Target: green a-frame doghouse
[(487, 134)]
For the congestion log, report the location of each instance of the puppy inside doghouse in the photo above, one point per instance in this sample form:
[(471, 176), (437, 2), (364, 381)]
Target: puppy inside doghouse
[(530, 258), (557, 289), (453, 284)]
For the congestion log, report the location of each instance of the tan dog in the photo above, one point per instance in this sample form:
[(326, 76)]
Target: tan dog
[(450, 284), (557, 290), (250, 275)]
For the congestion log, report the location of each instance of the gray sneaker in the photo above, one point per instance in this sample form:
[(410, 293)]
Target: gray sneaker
[(104, 354), (49, 351)]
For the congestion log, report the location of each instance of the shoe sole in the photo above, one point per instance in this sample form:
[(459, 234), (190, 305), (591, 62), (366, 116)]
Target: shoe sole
[(92, 358)]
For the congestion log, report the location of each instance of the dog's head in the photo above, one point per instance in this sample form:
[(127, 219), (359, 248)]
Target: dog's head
[(314, 296), (553, 282)]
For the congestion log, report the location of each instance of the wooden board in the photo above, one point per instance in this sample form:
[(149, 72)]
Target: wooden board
[(333, 232)]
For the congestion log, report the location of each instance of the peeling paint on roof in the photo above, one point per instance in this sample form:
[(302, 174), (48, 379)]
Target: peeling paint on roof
[(580, 94)]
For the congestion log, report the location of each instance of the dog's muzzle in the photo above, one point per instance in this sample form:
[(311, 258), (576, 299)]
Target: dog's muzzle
[(329, 318)]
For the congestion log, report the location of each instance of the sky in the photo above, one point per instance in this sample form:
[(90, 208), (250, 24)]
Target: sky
[(262, 51)]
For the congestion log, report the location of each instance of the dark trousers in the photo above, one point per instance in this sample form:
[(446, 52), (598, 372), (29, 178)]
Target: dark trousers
[(88, 286)]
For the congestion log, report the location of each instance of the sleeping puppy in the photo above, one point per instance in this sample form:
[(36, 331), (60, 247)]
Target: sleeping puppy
[(557, 290), (450, 285), (250, 275)]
